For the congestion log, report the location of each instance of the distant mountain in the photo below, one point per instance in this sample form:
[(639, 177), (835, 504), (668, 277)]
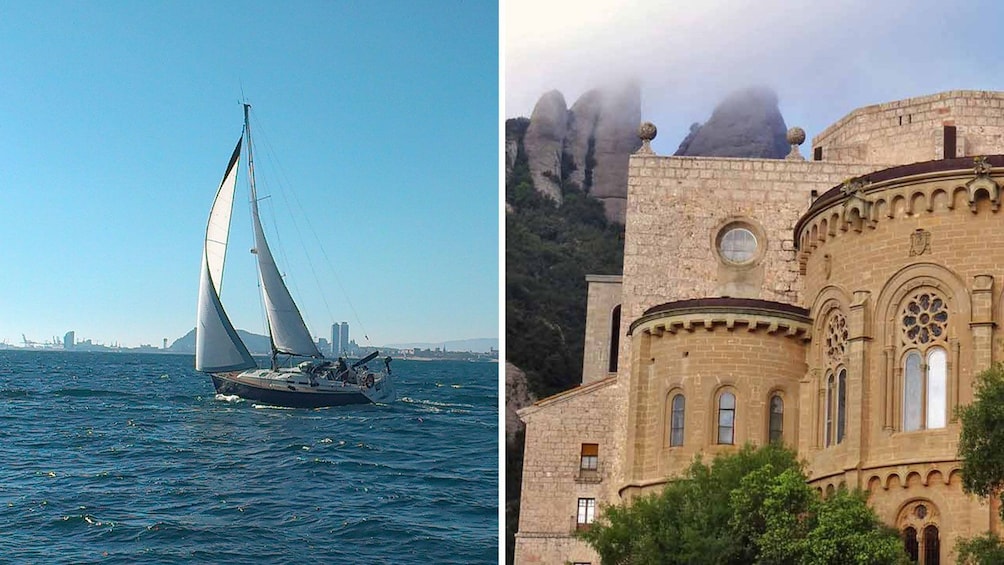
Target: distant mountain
[(477, 345), (256, 344)]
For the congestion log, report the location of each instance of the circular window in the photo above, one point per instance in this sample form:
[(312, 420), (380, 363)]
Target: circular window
[(737, 245)]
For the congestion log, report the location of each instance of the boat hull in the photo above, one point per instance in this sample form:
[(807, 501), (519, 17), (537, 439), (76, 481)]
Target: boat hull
[(280, 392)]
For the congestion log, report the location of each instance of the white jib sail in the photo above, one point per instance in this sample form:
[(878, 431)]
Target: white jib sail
[(289, 333), (217, 345), (285, 324)]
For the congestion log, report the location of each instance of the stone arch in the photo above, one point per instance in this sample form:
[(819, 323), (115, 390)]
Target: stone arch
[(897, 206), (940, 200), (894, 480), (824, 230), (814, 237), (935, 477), (834, 222), (959, 197), (913, 479), (715, 414), (918, 203), (880, 209), (959, 307), (667, 421), (875, 483)]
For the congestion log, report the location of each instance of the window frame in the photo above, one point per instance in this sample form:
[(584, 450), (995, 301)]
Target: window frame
[(779, 428), (585, 513), (673, 429), (720, 412)]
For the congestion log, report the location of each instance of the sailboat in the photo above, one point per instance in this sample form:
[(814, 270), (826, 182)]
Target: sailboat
[(219, 351)]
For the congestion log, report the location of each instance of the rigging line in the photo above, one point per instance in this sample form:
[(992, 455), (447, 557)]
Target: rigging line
[(278, 238), (320, 246)]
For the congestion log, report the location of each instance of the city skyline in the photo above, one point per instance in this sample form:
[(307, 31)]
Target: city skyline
[(118, 122)]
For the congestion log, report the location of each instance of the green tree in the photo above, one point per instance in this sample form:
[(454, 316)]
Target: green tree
[(981, 448), (752, 506)]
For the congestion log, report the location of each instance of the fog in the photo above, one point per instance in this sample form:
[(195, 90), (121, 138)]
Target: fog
[(823, 59)]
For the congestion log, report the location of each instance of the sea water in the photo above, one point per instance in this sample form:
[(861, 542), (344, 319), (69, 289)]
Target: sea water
[(132, 458)]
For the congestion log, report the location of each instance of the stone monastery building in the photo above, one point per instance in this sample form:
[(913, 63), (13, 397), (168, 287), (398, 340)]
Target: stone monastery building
[(841, 303)]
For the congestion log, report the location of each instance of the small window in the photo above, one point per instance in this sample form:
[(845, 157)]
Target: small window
[(737, 245), (726, 418), (615, 338), (590, 456), (587, 511), (776, 426), (677, 420)]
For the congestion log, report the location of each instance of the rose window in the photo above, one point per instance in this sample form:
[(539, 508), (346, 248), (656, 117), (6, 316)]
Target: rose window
[(924, 319), (836, 337)]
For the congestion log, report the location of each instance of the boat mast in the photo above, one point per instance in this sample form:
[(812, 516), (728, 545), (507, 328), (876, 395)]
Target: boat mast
[(254, 199)]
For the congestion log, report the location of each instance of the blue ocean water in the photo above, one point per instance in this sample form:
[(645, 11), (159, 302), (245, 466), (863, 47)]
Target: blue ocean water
[(131, 458)]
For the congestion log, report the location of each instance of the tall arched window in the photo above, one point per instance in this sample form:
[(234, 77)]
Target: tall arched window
[(726, 418), (775, 428), (829, 410), (677, 420), (834, 351), (932, 546), (924, 325), (841, 404), (615, 338), (912, 546)]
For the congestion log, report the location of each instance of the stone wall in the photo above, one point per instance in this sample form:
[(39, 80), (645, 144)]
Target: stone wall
[(603, 296), (700, 354), (912, 130), (552, 479)]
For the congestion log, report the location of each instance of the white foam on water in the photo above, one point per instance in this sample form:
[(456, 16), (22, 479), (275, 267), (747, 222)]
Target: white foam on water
[(229, 398)]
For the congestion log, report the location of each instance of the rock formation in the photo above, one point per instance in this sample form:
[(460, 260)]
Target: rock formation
[(747, 123), (544, 141), (585, 148), (517, 395)]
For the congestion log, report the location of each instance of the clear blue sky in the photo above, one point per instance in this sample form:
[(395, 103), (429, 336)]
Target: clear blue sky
[(378, 119)]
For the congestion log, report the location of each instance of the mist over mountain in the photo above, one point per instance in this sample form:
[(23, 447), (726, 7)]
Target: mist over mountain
[(747, 124)]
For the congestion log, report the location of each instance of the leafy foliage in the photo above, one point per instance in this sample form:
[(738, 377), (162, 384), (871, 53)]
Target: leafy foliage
[(753, 506), (987, 549), (981, 444), (549, 251), (981, 448)]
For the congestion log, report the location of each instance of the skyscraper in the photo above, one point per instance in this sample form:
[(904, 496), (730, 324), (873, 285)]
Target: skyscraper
[(336, 340), (344, 336)]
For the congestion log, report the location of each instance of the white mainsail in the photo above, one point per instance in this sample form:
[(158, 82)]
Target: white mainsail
[(217, 346), (289, 332)]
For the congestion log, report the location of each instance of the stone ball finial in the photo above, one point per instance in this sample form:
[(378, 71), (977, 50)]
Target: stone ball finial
[(647, 132), (796, 136)]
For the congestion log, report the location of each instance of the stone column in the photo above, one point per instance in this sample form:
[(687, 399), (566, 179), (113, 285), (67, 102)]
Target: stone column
[(859, 404), (982, 325)]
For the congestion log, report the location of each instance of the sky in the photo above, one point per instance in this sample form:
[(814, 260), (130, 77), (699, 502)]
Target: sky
[(376, 152), (823, 59)]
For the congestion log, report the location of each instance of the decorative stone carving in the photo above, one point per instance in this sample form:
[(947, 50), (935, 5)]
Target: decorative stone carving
[(857, 210), (647, 132), (795, 137), (924, 319), (983, 182), (920, 242)]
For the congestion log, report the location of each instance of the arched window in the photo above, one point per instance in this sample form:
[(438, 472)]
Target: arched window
[(912, 547), (937, 380), (615, 338), (829, 410), (924, 319), (932, 546), (775, 428), (841, 404), (677, 420), (834, 351), (726, 418)]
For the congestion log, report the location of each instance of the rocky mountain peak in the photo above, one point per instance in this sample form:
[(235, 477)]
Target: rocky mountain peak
[(747, 123)]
